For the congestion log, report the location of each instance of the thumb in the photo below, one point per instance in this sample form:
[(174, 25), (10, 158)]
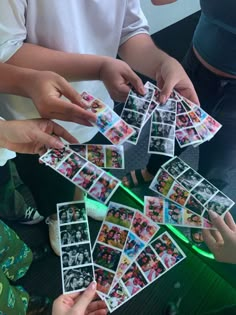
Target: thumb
[(48, 140), (85, 299), (136, 82), (220, 224), (166, 90)]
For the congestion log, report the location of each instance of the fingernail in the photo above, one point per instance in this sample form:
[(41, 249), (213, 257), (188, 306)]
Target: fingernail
[(213, 215), (59, 145), (93, 286), (142, 90)]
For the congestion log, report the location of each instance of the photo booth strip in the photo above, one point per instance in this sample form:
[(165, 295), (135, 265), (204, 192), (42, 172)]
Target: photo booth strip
[(157, 258), (87, 176), (164, 211), (111, 125), (178, 182), (75, 246), (103, 156)]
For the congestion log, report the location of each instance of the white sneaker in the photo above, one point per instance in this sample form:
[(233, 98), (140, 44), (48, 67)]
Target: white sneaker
[(95, 209), (31, 216), (54, 233)]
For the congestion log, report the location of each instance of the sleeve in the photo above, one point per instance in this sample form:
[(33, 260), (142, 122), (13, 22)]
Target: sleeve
[(135, 21), (12, 27)]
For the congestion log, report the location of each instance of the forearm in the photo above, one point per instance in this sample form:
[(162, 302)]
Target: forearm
[(142, 55), (73, 67)]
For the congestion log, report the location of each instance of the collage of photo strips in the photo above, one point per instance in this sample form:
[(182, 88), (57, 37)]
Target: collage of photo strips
[(123, 234), (76, 258), (111, 125), (154, 260), (86, 175), (104, 156), (181, 184), (177, 119)]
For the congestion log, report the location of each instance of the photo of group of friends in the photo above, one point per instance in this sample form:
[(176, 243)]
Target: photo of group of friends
[(155, 259), (164, 211), (181, 184), (103, 156), (111, 125), (76, 254), (86, 175), (193, 125), (123, 234)]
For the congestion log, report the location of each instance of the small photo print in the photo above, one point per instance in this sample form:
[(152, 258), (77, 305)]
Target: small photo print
[(160, 116), (162, 182), (97, 107), (104, 187), (132, 118), (143, 227), (170, 105), (76, 255), (96, 154), (175, 166), (204, 191), (123, 265), (117, 296), (173, 213), (112, 235), (79, 148), (220, 203), (71, 165), (194, 118), (150, 264), (106, 119), (163, 131), (74, 233), (183, 121), (77, 279), (154, 208), (87, 175), (114, 157), (194, 205), (178, 194), (87, 97), (135, 135), (71, 212), (119, 214), (203, 132), (212, 124), (106, 257), (168, 251), (55, 156), (133, 279), (152, 106), (180, 109), (120, 132), (187, 137), (133, 246), (189, 179), (200, 112), (104, 279), (147, 96), (192, 219), (161, 146), (186, 104), (137, 104)]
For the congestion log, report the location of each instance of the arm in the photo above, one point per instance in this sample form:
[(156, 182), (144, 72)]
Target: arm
[(162, 2)]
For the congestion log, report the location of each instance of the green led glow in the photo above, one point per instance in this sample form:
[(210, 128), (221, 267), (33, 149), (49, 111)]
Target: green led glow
[(202, 252), (178, 233)]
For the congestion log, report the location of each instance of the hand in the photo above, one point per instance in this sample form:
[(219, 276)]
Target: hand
[(32, 136), (79, 304), (117, 77), (46, 88), (222, 243), (172, 75)]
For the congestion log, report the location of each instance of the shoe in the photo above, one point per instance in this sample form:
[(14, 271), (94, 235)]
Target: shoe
[(95, 209), (39, 305), (130, 183), (54, 233), (31, 216), (41, 252)]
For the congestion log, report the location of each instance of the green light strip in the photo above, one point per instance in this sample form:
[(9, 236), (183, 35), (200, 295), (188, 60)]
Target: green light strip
[(202, 252)]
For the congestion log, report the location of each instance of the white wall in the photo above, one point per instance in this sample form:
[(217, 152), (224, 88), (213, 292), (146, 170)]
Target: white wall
[(160, 17)]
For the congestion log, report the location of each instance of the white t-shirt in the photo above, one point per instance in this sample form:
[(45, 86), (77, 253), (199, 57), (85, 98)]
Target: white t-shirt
[(5, 154), (76, 26)]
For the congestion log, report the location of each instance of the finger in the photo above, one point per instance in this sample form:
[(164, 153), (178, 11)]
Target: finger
[(96, 305), (230, 221), (219, 223), (59, 131), (98, 312), (217, 236), (209, 240), (136, 82), (85, 298), (191, 95), (166, 90)]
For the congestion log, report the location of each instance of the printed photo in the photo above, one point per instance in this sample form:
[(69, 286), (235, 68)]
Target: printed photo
[(194, 117), (178, 194), (133, 279), (161, 146), (114, 157), (135, 135), (162, 182), (76, 255), (192, 219), (104, 187), (97, 107), (180, 109), (147, 96), (175, 166), (77, 279), (72, 212), (106, 119), (79, 148), (173, 213), (183, 121), (55, 156), (163, 131), (219, 203), (119, 215), (203, 132), (204, 191), (137, 104), (96, 154), (87, 175), (189, 179), (71, 165), (133, 246), (200, 112), (113, 235), (170, 105), (194, 205), (154, 208), (132, 118), (212, 124), (120, 132), (143, 227), (74, 233), (87, 97), (106, 257), (160, 116), (104, 279), (123, 265), (117, 296)]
